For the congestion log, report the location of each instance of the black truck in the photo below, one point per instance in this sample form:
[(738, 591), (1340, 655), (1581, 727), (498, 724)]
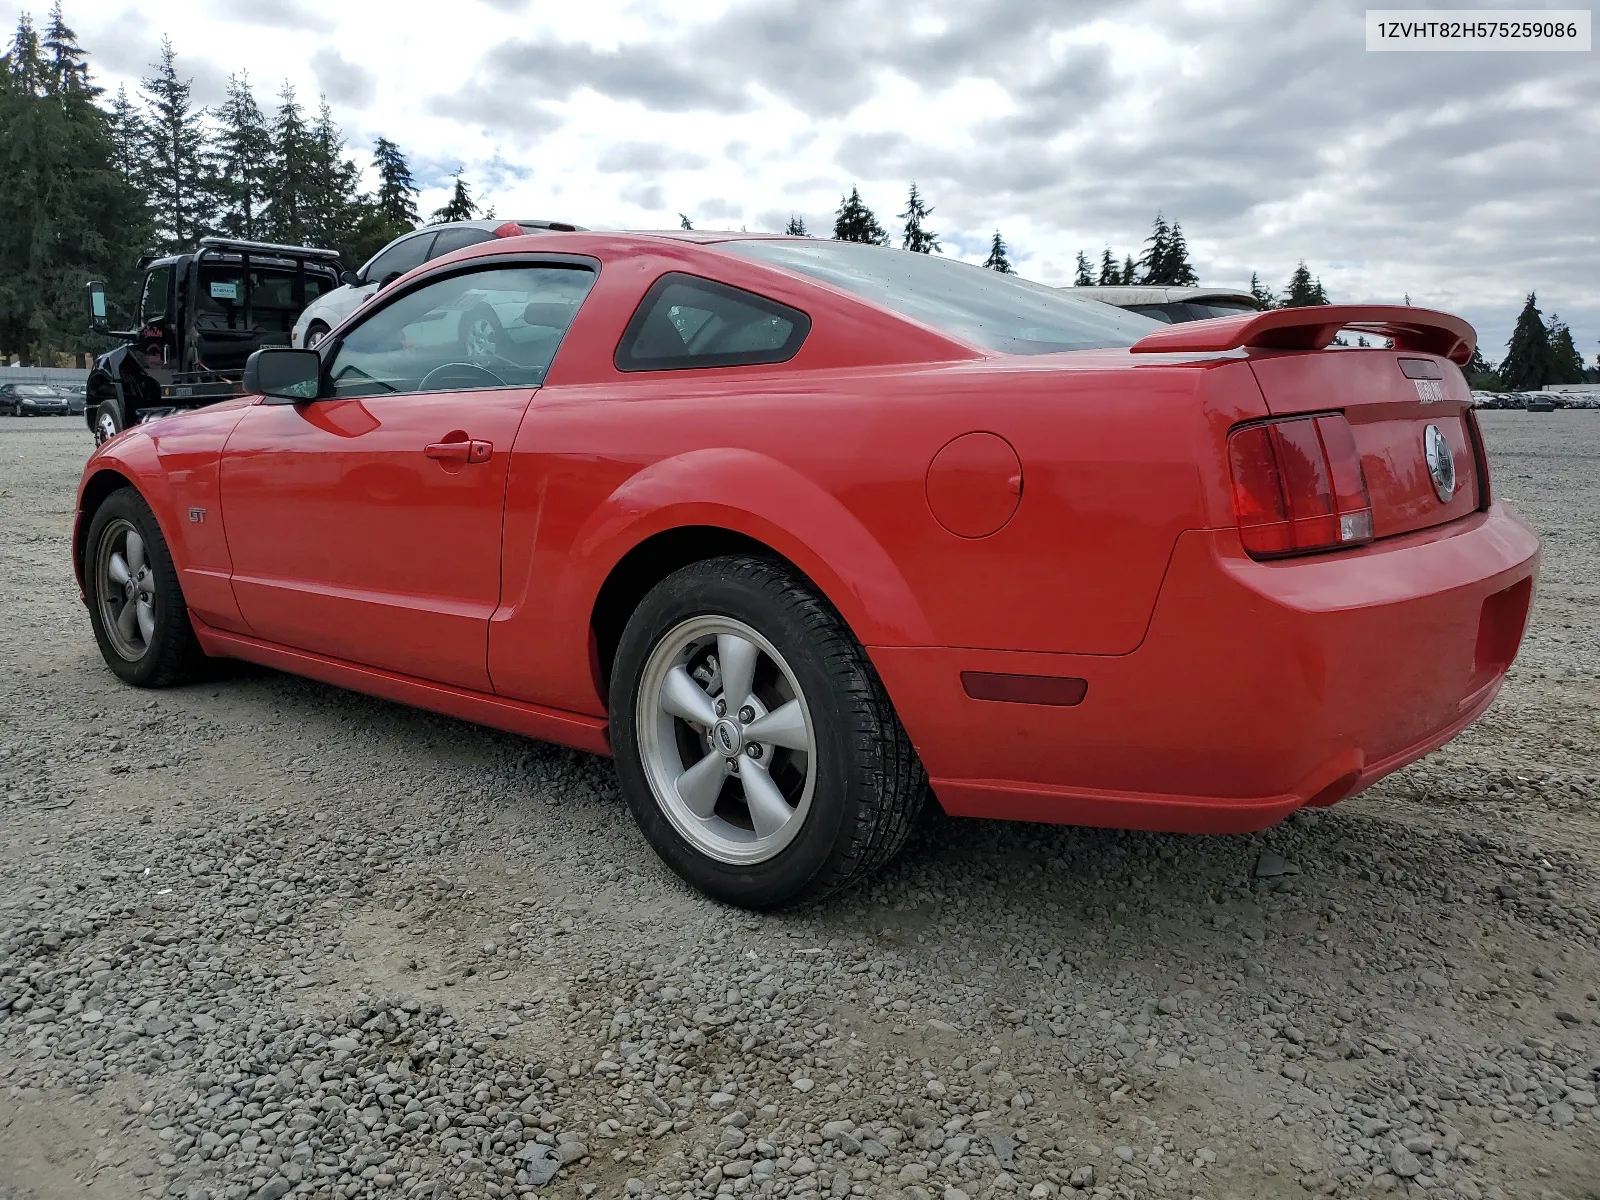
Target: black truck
[(201, 315)]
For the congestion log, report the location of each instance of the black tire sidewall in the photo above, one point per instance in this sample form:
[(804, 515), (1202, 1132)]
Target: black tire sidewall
[(168, 655), (111, 407), (793, 871)]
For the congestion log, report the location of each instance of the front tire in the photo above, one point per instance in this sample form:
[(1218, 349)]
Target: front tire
[(754, 741), (315, 332), (136, 604)]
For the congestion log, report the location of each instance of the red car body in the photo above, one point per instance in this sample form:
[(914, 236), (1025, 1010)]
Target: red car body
[(1041, 554)]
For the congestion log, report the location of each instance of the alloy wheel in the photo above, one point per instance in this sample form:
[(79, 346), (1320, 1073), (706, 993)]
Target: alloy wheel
[(726, 740), (126, 590)]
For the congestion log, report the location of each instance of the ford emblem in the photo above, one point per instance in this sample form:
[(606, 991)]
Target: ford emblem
[(1441, 463)]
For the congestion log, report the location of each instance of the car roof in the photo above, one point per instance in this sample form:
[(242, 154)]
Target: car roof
[(1123, 296)]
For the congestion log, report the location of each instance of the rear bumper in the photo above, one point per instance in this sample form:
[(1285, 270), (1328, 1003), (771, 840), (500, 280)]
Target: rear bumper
[(1259, 689)]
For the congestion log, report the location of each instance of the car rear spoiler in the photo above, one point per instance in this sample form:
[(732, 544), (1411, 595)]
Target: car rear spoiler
[(1312, 328)]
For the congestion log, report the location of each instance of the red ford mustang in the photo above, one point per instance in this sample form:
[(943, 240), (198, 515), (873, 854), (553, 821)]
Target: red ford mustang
[(796, 528)]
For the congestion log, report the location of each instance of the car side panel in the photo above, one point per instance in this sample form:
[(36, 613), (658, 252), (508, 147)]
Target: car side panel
[(829, 468), (175, 465)]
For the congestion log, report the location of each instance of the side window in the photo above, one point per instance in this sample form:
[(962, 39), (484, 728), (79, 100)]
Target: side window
[(685, 321), (498, 327), (456, 238), (153, 300), (399, 258)]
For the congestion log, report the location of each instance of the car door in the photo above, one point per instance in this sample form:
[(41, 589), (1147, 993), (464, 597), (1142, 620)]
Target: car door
[(366, 525)]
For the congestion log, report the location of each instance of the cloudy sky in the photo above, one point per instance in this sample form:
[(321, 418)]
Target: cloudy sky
[(1264, 126)]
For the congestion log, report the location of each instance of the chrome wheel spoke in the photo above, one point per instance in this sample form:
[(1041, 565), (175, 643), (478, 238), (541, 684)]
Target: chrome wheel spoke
[(117, 568), (128, 621), (684, 698), (135, 548), (738, 661), (700, 786), (783, 726), (146, 612), (769, 811)]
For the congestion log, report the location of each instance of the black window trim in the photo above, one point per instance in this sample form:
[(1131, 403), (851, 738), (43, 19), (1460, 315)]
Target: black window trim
[(800, 320), (328, 348)]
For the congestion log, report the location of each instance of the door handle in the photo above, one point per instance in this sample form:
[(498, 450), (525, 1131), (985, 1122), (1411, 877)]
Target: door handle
[(460, 452)]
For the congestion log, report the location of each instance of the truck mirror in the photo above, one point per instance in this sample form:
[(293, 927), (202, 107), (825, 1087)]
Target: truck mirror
[(97, 306), (283, 373)]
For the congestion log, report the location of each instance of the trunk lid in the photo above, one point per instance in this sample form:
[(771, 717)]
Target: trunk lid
[(1391, 399)]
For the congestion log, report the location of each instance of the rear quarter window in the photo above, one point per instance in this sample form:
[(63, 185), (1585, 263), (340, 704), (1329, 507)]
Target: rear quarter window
[(685, 321)]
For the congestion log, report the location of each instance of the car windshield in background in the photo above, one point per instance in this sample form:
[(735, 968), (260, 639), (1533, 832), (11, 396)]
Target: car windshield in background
[(1178, 311), (978, 306), (37, 391)]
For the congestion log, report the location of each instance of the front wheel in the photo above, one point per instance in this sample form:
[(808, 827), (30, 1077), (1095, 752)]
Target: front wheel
[(754, 741), (314, 334), (136, 603)]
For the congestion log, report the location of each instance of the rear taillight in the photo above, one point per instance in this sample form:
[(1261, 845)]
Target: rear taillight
[(1298, 486)]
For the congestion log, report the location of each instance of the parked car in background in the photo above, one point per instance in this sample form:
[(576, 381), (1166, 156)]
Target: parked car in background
[(1171, 305), (796, 528), (32, 400), (405, 253), (77, 395)]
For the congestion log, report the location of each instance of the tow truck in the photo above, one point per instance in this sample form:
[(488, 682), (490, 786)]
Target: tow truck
[(201, 315)]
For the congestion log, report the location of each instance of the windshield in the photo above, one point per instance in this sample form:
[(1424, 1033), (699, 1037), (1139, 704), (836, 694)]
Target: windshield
[(35, 391), (978, 306), (1178, 311)]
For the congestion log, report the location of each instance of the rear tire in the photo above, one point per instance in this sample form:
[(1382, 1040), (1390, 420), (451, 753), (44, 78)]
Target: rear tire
[(818, 797), (136, 603), (107, 421)]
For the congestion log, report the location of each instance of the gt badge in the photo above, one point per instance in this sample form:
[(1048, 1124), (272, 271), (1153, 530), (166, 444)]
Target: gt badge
[(197, 515), (1441, 462)]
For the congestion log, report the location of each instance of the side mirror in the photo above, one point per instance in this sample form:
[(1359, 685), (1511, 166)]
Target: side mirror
[(283, 373), (351, 279), (97, 306)]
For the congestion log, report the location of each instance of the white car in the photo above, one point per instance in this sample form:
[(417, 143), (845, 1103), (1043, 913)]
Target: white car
[(1172, 305), (407, 251)]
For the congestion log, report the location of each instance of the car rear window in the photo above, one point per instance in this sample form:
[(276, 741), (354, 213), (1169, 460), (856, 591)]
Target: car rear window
[(981, 307)]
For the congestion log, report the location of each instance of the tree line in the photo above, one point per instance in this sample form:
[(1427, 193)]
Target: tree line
[(89, 183)]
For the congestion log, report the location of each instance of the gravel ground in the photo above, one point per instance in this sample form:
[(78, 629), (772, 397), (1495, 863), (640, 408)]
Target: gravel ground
[(261, 937)]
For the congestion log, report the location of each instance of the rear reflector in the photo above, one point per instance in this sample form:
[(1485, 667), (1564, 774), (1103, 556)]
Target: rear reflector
[(1061, 690), (1298, 486)]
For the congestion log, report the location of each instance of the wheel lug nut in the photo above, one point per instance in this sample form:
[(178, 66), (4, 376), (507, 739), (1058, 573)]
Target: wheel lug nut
[(722, 708), (746, 715), (753, 750)]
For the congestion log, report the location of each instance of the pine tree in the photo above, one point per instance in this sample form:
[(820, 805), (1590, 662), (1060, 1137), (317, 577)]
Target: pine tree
[(1261, 294), (289, 172), (1084, 277), (1302, 290), (997, 260), (684, 222), (332, 201), (1480, 372), (1566, 364), (461, 206), (1129, 274), (242, 158), (397, 190), (1179, 272), (129, 137), (1529, 363), (179, 182), (66, 213), (796, 226), (854, 222), (65, 69), (917, 239), (1157, 250), (1109, 275)]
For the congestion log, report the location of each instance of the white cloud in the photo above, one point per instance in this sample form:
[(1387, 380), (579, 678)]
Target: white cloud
[(1466, 180)]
